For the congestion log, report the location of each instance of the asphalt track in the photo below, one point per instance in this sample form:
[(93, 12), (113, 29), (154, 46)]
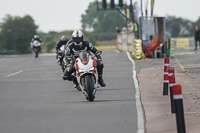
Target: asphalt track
[(35, 99)]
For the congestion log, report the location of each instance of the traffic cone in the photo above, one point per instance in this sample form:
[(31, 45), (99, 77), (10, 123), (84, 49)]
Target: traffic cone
[(172, 82), (166, 80)]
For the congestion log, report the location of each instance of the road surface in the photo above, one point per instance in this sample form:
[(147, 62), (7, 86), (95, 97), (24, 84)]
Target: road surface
[(35, 99)]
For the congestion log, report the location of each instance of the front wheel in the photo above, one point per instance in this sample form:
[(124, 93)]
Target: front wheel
[(36, 52), (89, 88), (36, 55)]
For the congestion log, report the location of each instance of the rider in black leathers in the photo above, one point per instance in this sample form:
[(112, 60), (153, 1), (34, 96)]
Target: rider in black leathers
[(60, 43), (77, 45)]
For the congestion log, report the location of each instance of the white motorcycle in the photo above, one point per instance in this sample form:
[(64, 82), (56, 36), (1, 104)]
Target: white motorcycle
[(36, 46), (86, 74)]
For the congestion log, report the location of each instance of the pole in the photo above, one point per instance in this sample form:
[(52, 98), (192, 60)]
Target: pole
[(172, 82), (141, 8), (178, 99), (131, 10), (146, 9), (166, 79)]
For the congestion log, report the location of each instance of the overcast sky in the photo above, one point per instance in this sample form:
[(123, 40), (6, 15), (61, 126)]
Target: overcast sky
[(59, 15)]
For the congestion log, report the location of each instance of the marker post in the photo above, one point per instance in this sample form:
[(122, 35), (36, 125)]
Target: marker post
[(178, 100)]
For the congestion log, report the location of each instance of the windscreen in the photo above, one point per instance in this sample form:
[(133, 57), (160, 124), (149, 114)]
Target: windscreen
[(84, 56)]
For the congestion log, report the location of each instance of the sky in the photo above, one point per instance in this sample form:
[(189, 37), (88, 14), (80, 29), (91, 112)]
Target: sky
[(59, 15)]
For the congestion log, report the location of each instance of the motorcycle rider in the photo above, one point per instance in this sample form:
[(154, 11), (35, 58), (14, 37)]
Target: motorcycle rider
[(79, 44), (60, 43), (36, 38), (63, 41)]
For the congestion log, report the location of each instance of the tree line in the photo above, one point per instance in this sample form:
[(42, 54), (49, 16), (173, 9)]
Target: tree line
[(17, 32)]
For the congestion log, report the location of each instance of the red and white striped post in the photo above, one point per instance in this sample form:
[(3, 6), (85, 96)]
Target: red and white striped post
[(172, 82), (178, 102), (166, 80)]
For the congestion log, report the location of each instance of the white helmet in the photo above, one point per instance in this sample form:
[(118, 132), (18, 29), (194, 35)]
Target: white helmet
[(77, 37), (36, 36)]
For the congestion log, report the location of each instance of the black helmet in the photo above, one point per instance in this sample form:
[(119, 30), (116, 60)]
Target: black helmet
[(63, 38)]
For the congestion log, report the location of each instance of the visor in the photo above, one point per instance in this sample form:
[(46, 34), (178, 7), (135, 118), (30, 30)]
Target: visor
[(77, 39)]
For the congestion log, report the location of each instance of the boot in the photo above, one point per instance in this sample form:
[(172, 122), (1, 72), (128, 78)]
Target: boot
[(75, 82), (67, 75), (101, 82)]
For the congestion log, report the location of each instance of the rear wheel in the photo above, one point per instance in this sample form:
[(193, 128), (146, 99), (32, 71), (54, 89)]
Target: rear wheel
[(89, 88)]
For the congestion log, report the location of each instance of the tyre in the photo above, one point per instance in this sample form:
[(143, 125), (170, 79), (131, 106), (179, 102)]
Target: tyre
[(36, 54), (89, 88)]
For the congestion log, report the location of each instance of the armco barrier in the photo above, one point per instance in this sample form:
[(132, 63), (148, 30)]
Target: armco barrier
[(136, 49)]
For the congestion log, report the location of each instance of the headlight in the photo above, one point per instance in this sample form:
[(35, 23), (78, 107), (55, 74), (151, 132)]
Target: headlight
[(91, 69), (81, 71)]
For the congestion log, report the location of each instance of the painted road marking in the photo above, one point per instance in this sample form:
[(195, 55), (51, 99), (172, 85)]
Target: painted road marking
[(181, 66), (187, 53), (12, 74), (140, 113), (117, 51)]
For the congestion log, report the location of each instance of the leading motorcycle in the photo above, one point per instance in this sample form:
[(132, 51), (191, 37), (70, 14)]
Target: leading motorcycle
[(86, 74)]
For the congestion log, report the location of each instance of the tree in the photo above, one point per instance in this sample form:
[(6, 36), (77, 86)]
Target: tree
[(179, 27), (16, 33), (102, 23)]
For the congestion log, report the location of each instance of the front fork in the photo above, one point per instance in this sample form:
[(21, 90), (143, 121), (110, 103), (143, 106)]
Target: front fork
[(81, 82)]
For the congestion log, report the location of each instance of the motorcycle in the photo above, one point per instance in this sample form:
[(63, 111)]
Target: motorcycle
[(60, 57), (36, 46), (86, 74)]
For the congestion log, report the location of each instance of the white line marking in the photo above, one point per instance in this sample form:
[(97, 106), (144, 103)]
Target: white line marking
[(181, 66), (187, 53), (140, 113), (14, 73), (117, 51)]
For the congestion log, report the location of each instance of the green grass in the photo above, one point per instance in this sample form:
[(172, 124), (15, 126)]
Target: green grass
[(106, 48)]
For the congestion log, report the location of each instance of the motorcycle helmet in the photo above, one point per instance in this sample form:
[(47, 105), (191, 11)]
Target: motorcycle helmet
[(63, 38), (36, 36), (77, 37)]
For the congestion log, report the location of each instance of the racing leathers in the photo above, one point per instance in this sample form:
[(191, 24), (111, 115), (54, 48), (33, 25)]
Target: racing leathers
[(59, 52), (60, 44), (85, 46)]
